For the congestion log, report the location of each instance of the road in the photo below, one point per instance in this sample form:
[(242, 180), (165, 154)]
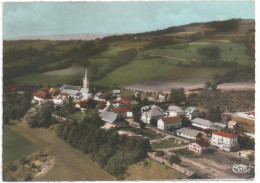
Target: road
[(177, 58)]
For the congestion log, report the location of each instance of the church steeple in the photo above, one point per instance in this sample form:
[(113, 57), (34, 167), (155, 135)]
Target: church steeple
[(85, 80)]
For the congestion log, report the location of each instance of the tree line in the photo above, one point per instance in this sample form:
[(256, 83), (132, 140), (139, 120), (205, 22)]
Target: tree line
[(112, 152)]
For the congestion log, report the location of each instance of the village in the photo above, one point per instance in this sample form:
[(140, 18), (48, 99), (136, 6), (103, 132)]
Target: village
[(204, 148)]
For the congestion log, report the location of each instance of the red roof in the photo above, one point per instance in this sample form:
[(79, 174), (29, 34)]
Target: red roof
[(127, 98), (253, 112), (45, 89), (171, 119), (42, 95), (125, 108), (224, 134), (54, 90), (82, 103), (202, 142), (103, 96)]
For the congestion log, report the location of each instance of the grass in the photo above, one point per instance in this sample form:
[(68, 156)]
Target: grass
[(152, 170), (128, 44), (191, 74), (137, 71), (70, 164), (15, 146), (238, 52), (186, 153), (167, 144), (79, 116)]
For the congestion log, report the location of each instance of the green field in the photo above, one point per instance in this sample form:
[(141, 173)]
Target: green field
[(152, 170), (15, 146), (191, 74), (186, 153), (167, 144), (137, 71), (238, 52)]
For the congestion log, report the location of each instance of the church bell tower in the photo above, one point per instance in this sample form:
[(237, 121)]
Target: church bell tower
[(85, 80)]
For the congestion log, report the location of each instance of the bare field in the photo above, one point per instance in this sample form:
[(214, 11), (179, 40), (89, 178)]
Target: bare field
[(160, 86)]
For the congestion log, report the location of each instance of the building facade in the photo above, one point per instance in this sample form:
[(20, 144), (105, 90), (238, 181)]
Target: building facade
[(224, 141)]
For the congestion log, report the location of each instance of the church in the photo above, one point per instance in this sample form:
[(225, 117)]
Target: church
[(78, 92)]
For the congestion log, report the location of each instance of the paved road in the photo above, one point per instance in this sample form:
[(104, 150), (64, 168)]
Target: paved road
[(173, 148)]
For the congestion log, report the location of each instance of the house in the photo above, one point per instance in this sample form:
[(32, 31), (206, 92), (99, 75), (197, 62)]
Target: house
[(202, 123), (169, 122), (54, 91), (117, 93), (225, 141), (199, 146), (232, 125), (174, 111), (191, 112), (100, 97), (151, 112), (42, 97), (189, 133), (219, 126), (246, 153), (109, 117), (125, 111)]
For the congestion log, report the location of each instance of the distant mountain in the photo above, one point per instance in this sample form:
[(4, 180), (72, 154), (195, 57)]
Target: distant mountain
[(64, 37)]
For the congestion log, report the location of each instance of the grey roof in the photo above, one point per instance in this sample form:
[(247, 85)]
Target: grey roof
[(220, 124), (109, 117), (70, 87), (202, 122), (190, 109), (175, 108), (151, 110), (69, 92), (188, 131)]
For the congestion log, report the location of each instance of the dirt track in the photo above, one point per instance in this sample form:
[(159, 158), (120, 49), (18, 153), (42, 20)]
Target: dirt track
[(161, 86)]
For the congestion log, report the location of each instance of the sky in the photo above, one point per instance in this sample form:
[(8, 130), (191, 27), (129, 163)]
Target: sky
[(53, 18)]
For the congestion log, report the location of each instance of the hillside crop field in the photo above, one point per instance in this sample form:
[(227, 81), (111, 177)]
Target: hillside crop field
[(15, 146), (228, 51), (230, 101)]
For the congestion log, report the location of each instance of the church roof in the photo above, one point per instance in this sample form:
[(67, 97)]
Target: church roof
[(70, 87)]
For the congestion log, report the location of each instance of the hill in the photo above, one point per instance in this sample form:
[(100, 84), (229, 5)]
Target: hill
[(225, 47)]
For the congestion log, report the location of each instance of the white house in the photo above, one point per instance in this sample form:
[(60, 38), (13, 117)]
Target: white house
[(188, 133), (174, 111), (117, 93), (191, 112), (202, 123), (168, 122), (225, 141), (232, 125), (151, 112)]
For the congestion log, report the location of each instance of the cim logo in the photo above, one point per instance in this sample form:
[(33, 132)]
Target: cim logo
[(239, 168)]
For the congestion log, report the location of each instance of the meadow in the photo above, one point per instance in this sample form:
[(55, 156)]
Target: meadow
[(70, 164), (170, 143), (15, 146), (152, 170)]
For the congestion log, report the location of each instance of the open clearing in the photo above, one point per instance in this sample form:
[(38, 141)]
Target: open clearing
[(70, 165), (15, 146), (152, 170)]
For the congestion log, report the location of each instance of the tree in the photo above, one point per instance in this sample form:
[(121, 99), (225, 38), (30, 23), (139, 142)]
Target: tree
[(246, 143), (159, 153), (142, 125), (207, 84), (213, 86), (178, 95), (153, 122), (174, 159), (185, 122), (137, 113), (214, 115)]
